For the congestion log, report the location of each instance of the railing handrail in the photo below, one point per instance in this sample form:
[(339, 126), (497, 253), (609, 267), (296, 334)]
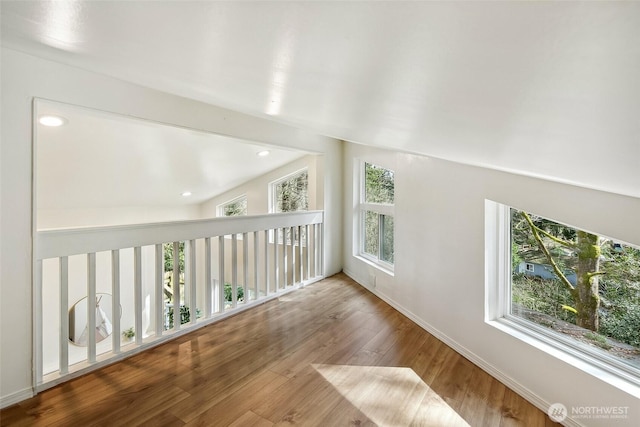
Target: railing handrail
[(75, 241)]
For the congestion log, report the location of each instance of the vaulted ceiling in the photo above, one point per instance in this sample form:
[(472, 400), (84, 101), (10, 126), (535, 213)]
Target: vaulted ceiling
[(549, 89), (100, 160)]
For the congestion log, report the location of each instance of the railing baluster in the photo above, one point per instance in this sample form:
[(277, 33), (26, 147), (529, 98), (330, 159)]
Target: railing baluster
[(245, 266), (292, 250), (276, 263), (175, 284), (91, 307), (306, 239), (208, 296), (255, 265), (266, 262), (115, 301), (186, 272), (221, 302), (321, 226), (137, 292), (234, 271), (301, 263), (159, 282), (64, 314), (294, 264), (221, 274), (285, 269), (316, 251), (193, 309)]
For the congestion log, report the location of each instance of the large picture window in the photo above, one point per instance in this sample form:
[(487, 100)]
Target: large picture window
[(575, 289), (376, 215)]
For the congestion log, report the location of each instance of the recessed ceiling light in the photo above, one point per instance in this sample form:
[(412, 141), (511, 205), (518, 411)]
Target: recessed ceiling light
[(52, 121), (263, 153), (186, 194)]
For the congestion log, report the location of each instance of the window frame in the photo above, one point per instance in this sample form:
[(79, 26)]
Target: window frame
[(382, 210), (221, 207), (498, 299), (273, 199)]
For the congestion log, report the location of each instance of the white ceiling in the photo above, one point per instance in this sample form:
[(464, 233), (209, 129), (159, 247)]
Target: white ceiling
[(550, 89), (116, 161)]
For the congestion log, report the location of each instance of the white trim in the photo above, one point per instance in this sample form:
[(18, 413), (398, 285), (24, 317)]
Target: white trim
[(572, 351), (382, 209), (16, 397), (376, 263)]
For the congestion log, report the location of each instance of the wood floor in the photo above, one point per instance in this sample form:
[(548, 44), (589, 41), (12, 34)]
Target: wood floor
[(331, 354)]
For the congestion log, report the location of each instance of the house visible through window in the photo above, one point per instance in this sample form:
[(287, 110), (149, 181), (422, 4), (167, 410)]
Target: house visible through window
[(376, 215), (571, 288), (235, 207)]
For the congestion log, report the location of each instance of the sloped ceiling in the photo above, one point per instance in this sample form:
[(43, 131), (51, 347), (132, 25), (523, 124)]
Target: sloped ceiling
[(99, 160), (549, 89)]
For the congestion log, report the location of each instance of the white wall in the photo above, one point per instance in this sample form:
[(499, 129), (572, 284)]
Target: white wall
[(25, 77), (439, 275)]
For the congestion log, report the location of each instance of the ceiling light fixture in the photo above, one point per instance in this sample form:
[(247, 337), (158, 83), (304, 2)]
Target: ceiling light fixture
[(262, 153), (53, 121), (186, 194)]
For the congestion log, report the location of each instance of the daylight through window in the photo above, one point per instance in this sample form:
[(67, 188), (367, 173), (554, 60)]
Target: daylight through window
[(235, 207), (579, 286), (376, 215), (291, 193)]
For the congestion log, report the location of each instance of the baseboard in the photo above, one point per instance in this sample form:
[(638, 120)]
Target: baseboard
[(520, 389), (13, 398)]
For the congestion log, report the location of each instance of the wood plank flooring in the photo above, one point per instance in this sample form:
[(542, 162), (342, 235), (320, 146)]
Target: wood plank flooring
[(331, 354)]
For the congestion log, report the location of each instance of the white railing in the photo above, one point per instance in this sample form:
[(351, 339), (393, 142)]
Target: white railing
[(229, 265)]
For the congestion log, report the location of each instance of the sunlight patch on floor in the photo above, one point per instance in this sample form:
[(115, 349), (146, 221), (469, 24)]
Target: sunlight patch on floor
[(390, 396)]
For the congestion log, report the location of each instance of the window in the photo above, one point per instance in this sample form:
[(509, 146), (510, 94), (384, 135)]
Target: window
[(289, 194), (573, 289), (376, 215), (235, 207)]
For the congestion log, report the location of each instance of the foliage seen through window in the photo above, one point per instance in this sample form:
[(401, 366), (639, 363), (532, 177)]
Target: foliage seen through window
[(579, 284)]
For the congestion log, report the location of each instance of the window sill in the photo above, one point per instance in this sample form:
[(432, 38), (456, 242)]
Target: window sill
[(384, 267), (619, 377)]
